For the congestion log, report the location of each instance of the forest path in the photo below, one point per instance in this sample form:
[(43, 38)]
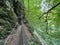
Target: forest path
[(21, 36)]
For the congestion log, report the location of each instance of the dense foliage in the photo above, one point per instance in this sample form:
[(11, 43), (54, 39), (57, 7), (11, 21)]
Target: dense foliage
[(33, 10), (7, 18), (36, 9)]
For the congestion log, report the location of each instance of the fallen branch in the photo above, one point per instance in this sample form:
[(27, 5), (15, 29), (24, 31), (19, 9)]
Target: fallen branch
[(53, 7), (43, 42), (50, 9)]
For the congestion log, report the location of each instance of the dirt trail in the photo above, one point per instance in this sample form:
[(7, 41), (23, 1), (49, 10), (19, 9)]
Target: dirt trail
[(16, 38)]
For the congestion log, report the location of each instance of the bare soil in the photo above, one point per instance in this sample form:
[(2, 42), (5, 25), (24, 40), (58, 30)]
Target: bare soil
[(15, 38)]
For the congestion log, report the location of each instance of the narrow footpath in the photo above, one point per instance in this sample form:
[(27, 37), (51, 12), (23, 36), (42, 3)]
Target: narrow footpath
[(21, 36)]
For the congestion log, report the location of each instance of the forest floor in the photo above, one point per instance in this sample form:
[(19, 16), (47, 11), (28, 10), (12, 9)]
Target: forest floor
[(16, 37), (22, 33)]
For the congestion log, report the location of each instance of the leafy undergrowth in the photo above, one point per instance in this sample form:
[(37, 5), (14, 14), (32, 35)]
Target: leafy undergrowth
[(7, 19), (34, 41), (1, 42), (35, 10)]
